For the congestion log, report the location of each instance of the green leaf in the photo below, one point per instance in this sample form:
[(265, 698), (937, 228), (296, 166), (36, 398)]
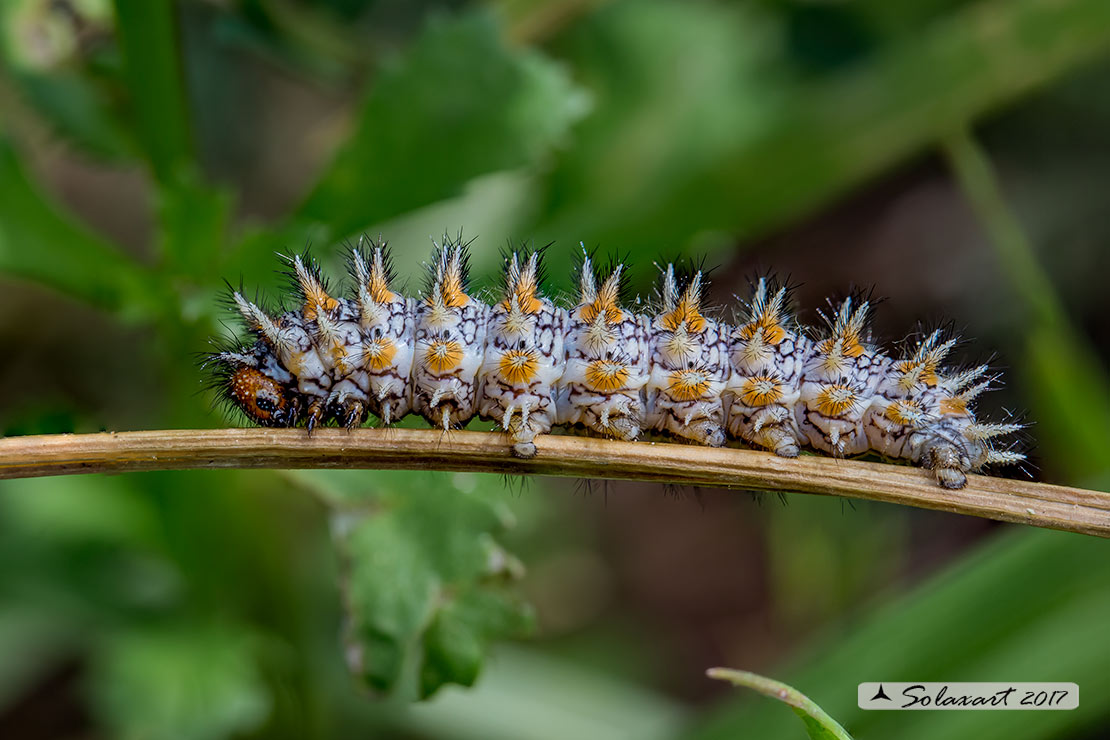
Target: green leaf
[(456, 642), (458, 104), (426, 583), (186, 682), (147, 32), (819, 725), (39, 243)]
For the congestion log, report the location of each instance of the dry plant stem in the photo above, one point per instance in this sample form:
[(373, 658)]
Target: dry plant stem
[(1056, 507)]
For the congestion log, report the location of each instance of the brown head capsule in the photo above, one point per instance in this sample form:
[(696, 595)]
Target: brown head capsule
[(261, 398)]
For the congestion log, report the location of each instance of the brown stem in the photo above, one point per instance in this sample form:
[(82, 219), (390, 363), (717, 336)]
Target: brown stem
[(1042, 505)]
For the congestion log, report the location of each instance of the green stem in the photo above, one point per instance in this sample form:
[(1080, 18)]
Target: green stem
[(1066, 381), (1015, 250), (148, 39), (803, 706)]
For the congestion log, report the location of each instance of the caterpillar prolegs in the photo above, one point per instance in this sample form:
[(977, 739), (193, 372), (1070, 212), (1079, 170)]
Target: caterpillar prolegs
[(530, 365)]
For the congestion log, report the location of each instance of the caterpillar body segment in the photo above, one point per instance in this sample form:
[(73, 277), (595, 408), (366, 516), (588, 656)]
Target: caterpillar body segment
[(839, 377), (607, 362), (920, 416), (449, 343), (386, 321), (689, 365), (524, 357), (529, 365), (332, 324), (766, 355), (907, 401)]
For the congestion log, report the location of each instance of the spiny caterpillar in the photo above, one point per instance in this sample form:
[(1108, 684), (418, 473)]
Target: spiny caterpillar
[(529, 365)]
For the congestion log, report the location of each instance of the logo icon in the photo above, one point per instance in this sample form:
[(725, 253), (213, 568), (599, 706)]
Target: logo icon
[(880, 694)]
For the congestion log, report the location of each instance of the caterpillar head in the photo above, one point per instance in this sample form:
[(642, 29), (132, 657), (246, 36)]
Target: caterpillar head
[(263, 399)]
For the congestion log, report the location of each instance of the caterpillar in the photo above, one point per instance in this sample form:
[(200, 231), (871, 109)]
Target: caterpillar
[(530, 365)]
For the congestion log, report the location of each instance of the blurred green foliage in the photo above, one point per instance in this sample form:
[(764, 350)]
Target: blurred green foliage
[(209, 605), (424, 576)]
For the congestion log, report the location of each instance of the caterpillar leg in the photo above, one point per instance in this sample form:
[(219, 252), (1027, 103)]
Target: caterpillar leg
[(619, 418), (449, 406), (954, 447), (948, 465), (706, 432), (521, 417), (352, 413), (316, 413), (778, 440), (616, 416), (697, 422), (771, 427), (347, 402), (522, 428), (390, 399)]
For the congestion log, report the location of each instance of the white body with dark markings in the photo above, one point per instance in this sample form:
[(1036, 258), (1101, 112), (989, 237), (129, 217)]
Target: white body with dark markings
[(529, 365)]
